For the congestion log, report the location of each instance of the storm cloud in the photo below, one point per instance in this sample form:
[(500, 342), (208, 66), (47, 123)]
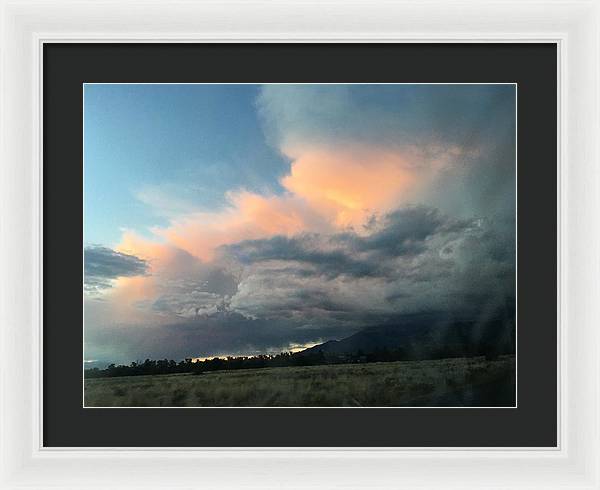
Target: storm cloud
[(102, 265), (402, 232), (415, 260), (389, 201), (414, 115)]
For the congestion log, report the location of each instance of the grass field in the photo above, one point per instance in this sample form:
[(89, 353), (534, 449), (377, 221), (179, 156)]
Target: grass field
[(445, 382)]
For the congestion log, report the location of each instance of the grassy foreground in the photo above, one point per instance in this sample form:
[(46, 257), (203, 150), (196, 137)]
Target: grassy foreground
[(444, 382)]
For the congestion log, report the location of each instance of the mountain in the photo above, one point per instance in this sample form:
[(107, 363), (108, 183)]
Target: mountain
[(425, 338)]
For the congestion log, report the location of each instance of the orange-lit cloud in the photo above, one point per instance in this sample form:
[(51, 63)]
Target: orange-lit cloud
[(250, 216), (161, 259), (347, 186), (155, 253), (134, 289), (326, 191)]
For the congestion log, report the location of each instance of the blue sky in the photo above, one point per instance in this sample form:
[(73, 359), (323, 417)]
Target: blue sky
[(176, 142)]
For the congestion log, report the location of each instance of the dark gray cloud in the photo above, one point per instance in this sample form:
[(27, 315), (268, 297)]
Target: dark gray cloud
[(103, 264), (402, 233), (313, 287), (306, 249), (414, 260)]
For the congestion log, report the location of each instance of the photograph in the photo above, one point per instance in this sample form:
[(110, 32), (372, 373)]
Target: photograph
[(338, 245)]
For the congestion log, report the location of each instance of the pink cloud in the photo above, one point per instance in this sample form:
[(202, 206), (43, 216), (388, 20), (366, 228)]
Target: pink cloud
[(326, 191)]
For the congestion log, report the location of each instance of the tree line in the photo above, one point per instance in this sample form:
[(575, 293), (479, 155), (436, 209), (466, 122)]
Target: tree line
[(283, 359), (166, 366)]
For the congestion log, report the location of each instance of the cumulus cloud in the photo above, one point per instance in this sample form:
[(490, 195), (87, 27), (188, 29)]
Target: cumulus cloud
[(326, 191), (103, 265), (415, 260), (180, 285), (355, 151)]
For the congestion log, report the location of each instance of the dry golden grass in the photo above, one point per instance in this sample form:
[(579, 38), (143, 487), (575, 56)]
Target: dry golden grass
[(445, 382)]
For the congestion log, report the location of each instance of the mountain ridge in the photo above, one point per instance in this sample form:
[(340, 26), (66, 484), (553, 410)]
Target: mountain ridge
[(423, 339)]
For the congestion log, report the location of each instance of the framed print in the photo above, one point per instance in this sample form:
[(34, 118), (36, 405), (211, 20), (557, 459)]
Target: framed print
[(330, 256)]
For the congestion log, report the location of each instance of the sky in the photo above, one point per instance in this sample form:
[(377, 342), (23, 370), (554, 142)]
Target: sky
[(244, 219)]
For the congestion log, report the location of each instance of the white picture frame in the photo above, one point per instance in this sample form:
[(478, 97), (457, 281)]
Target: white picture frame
[(574, 25)]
